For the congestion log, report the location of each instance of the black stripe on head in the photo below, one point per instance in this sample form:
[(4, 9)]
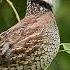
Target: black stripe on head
[(43, 4)]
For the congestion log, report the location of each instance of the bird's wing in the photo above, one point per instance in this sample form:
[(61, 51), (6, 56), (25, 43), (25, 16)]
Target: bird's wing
[(15, 33)]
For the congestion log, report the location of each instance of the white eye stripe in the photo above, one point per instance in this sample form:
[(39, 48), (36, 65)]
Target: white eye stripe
[(51, 2)]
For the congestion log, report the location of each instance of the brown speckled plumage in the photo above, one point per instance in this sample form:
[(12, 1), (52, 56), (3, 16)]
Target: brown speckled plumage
[(30, 44)]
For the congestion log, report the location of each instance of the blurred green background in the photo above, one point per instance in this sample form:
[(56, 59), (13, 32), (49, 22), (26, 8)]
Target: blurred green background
[(8, 19)]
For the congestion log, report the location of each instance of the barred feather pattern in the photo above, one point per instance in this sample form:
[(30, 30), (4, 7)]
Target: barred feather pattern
[(31, 44)]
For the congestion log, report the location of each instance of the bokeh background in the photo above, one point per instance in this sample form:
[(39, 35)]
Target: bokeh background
[(8, 19)]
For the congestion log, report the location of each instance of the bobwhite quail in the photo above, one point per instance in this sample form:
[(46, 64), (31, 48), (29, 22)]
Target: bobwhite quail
[(33, 42)]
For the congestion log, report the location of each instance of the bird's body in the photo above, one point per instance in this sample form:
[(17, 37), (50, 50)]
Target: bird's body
[(32, 43)]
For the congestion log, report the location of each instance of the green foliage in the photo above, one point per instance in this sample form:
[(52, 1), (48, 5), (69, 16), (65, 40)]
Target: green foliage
[(63, 20), (0, 1), (66, 47), (7, 15)]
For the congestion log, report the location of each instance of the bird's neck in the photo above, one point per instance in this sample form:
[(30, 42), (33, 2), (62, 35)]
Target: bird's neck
[(37, 7)]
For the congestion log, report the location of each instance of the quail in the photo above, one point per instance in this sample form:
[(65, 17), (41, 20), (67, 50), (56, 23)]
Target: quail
[(33, 42)]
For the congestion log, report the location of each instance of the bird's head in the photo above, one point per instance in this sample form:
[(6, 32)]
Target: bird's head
[(40, 5), (51, 2), (45, 3)]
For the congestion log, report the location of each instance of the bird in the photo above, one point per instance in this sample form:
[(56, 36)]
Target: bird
[(32, 43)]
